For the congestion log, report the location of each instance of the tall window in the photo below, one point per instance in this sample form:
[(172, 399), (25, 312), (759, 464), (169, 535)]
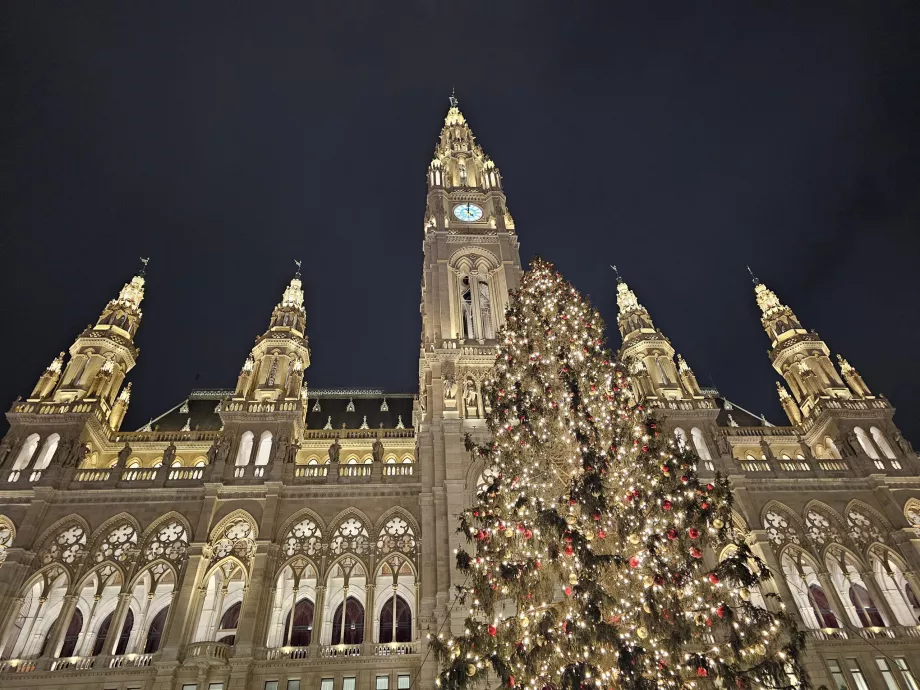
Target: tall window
[(856, 672), (910, 682), (302, 628), (700, 444), (396, 609), (866, 444), (72, 636), (228, 624), (51, 444), (351, 630), (868, 614), (265, 448), (485, 310), (885, 670), (155, 634), (245, 449), (466, 309), (882, 442), (822, 607), (26, 452)]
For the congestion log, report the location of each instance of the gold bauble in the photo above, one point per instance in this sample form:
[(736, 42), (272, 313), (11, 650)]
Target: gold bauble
[(646, 608), (700, 619), (573, 579), (455, 652), (571, 519), (509, 532), (471, 670), (718, 524), (648, 581), (634, 539), (525, 621), (745, 593), (589, 535), (642, 632)]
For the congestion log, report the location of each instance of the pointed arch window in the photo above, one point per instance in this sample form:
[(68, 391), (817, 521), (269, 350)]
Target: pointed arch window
[(229, 623), (681, 437), (822, 607), (466, 309), (122, 645), (26, 452), (265, 448), (700, 444), (882, 443), (485, 309), (396, 615), (245, 449), (48, 450), (155, 633), (868, 613), (865, 443), (348, 625), (301, 629), (71, 637)]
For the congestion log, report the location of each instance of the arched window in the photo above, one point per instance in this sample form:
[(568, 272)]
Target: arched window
[(265, 448), (485, 310), (396, 609), (352, 631), (466, 309), (912, 599), (301, 631), (681, 437), (122, 645), (228, 624), (662, 372), (44, 458), (822, 607), (700, 444), (155, 633), (882, 442), (134, 463), (866, 444), (868, 614), (245, 449), (831, 447), (71, 637), (26, 452)]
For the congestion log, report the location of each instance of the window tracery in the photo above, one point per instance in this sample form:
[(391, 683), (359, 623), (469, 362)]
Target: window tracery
[(863, 528), (779, 530), (351, 536), (170, 543), (237, 538), (7, 535), (117, 544), (396, 535), (68, 546), (305, 537)]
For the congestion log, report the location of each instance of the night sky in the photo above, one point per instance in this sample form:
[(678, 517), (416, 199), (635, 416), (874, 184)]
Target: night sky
[(679, 142)]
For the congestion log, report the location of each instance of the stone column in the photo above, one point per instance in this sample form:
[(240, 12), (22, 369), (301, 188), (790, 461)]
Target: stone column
[(141, 626), (844, 611), (59, 629), (879, 598), (118, 622), (253, 597), (761, 547), (185, 606), (369, 608), (319, 604)]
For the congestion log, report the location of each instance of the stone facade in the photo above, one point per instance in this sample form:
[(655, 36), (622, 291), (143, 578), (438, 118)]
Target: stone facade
[(272, 536)]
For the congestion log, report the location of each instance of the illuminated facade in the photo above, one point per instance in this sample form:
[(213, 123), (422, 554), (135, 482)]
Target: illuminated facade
[(273, 536)]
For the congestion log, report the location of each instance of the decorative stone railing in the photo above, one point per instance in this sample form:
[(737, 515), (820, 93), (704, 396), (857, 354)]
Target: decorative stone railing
[(405, 469), (17, 665), (355, 470), (185, 473), (75, 662), (874, 635), (92, 475), (288, 653), (133, 437), (395, 648), (331, 651), (131, 660), (358, 433), (139, 474), (342, 650), (208, 650), (311, 470)]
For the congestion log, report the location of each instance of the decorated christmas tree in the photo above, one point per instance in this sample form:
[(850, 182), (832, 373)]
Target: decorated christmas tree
[(597, 547)]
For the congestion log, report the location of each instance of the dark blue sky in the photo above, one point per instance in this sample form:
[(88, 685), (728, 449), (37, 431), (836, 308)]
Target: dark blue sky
[(680, 141)]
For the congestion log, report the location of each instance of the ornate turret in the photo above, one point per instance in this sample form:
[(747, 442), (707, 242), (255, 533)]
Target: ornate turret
[(789, 405), (464, 184), (274, 369), (799, 355), (101, 355), (853, 379), (654, 371), (120, 408)]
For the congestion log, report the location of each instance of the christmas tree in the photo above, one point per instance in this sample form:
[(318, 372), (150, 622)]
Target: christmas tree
[(597, 546)]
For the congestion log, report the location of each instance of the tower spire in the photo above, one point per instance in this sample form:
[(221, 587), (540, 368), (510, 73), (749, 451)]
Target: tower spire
[(453, 98)]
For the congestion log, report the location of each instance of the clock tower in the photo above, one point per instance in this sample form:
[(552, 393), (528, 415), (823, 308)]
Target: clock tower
[(471, 262)]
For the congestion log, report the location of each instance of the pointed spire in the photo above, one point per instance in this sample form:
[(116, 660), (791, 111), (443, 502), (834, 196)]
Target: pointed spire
[(453, 98), (144, 262), (293, 294), (753, 277), (617, 273)]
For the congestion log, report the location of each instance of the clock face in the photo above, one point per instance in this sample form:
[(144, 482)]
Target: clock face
[(468, 212)]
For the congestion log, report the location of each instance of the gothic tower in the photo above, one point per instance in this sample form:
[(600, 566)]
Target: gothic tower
[(471, 262)]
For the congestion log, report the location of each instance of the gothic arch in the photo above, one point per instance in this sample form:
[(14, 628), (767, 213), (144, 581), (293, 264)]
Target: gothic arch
[(358, 568), (48, 575), (782, 525), (912, 513), (154, 526), (96, 569), (221, 565), (151, 567), (297, 517), (456, 259), (351, 511), (46, 546), (230, 518), (837, 551), (819, 534), (7, 536), (386, 561), (738, 521), (864, 534), (398, 511), (100, 532)]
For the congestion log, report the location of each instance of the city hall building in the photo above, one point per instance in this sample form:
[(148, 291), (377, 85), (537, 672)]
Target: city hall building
[(271, 536)]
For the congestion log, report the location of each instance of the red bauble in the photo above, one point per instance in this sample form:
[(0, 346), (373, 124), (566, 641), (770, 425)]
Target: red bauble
[(709, 487), (702, 672), (538, 565), (596, 516), (721, 611), (685, 479), (633, 562), (601, 533), (704, 505), (666, 505), (568, 591), (696, 553), (511, 681), (527, 534), (713, 578), (493, 631), (693, 533), (672, 533), (659, 580), (569, 550)]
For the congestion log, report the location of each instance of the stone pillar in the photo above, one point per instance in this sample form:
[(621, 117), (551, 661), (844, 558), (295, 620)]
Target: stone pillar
[(118, 622), (369, 608), (253, 597), (59, 629), (185, 606), (844, 611), (879, 598), (761, 547), (13, 575), (12, 614), (319, 605), (142, 627)]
